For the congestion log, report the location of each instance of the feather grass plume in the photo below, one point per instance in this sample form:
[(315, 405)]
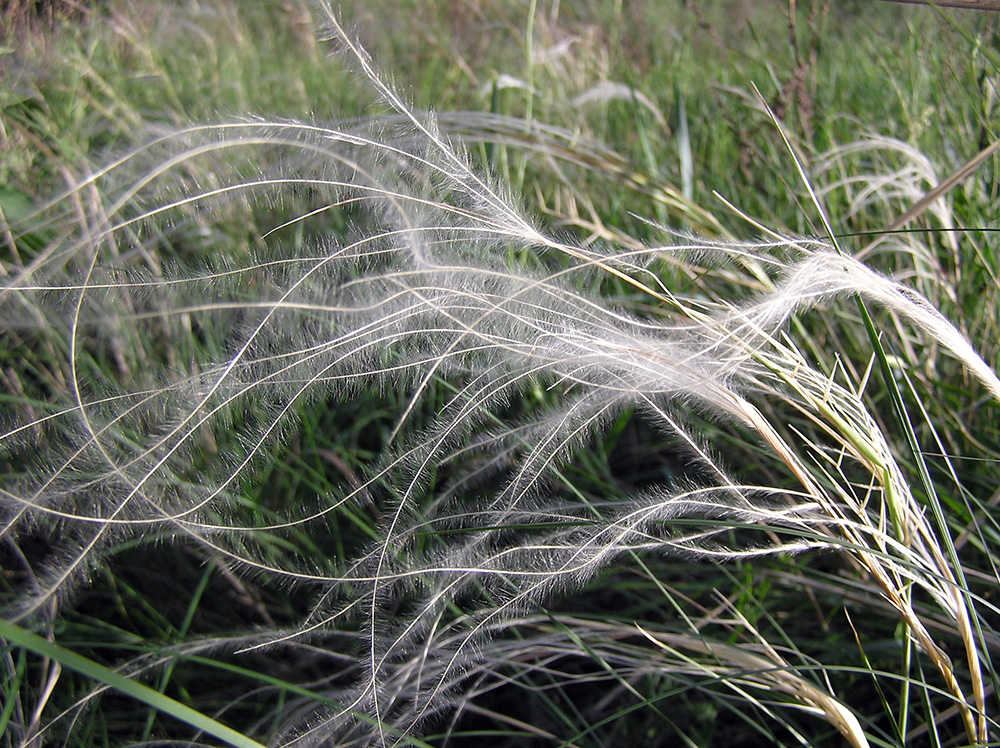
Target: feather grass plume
[(435, 275)]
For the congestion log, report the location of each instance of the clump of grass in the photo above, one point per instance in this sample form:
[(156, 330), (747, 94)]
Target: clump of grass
[(495, 358)]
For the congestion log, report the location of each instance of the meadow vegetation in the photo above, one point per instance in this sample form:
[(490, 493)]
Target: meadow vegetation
[(538, 373)]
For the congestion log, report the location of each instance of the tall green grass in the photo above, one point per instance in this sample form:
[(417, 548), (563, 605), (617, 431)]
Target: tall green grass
[(610, 401)]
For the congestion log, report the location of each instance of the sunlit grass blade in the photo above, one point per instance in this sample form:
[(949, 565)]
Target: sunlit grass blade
[(20, 637)]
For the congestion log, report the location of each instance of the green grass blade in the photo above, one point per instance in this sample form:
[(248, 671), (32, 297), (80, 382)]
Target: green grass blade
[(181, 632), (684, 145), (85, 666), (10, 692)]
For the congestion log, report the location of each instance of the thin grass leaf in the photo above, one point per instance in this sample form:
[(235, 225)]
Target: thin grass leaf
[(97, 672)]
